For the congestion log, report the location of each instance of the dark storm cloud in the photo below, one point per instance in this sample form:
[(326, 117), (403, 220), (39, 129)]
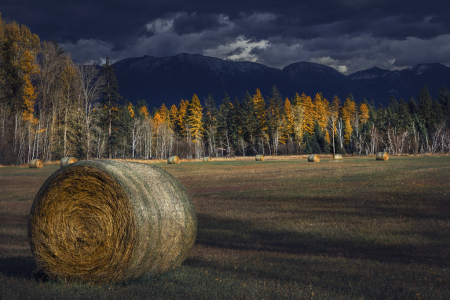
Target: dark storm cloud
[(193, 23), (346, 34)]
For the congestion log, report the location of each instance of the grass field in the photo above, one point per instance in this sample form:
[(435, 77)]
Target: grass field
[(278, 229)]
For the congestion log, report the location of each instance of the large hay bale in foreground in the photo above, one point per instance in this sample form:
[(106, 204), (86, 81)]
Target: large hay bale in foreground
[(206, 158), (259, 157), (173, 160), (382, 156), (109, 221), (67, 161), (36, 163), (337, 157), (313, 158)]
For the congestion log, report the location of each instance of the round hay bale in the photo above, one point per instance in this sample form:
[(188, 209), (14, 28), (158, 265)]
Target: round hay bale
[(206, 158), (337, 157), (313, 158), (67, 161), (173, 160), (108, 221), (259, 157), (36, 163), (382, 156)]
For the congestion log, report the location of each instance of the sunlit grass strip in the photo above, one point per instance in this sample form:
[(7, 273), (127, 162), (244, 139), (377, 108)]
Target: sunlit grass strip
[(107, 221)]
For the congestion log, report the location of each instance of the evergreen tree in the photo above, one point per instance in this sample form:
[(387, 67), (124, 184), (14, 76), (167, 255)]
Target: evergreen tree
[(404, 117), (426, 113), (307, 141), (250, 121), (260, 108), (317, 139), (274, 118), (223, 122), (412, 106), (210, 123), (234, 123), (439, 116), (392, 111), (110, 102), (181, 123), (444, 99)]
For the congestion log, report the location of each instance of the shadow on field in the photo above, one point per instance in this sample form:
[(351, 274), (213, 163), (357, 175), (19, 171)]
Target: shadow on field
[(21, 267), (233, 234)]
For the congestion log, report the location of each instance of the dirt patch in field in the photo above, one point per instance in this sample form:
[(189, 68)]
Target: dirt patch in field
[(227, 188), (13, 220)]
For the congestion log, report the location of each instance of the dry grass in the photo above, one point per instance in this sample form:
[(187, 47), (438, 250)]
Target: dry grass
[(284, 229)]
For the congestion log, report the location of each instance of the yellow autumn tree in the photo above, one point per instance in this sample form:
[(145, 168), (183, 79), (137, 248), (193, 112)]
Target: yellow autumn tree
[(309, 113), (321, 106), (173, 114), (260, 108), (348, 113), (29, 95), (182, 116), (130, 110), (363, 113), (298, 119), (195, 114), (143, 111)]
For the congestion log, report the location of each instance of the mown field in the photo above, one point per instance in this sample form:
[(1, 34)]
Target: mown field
[(278, 229)]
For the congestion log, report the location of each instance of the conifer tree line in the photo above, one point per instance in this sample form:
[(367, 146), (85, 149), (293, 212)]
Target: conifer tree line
[(52, 108)]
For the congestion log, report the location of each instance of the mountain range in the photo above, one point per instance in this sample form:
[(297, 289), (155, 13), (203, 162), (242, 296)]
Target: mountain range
[(172, 78)]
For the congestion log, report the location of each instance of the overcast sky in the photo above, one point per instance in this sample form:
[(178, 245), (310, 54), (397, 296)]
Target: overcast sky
[(348, 35)]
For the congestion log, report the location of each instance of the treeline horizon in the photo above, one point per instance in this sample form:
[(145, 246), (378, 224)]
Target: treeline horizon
[(51, 108)]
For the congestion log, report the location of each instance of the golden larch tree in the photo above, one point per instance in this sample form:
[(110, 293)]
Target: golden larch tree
[(363, 113), (348, 114), (260, 108), (173, 116), (195, 114), (308, 113)]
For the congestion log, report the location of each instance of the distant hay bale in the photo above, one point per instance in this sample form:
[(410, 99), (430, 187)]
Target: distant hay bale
[(313, 158), (67, 161), (36, 163), (206, 158), (173, 160), (259, 157), (109, 221), (337, 157), (382, 156)]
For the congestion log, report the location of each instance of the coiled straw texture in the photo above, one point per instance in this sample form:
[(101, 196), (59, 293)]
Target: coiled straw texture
[(173, 160), (108, 221), (259, 157), (206, 158), (67, 161), (314, 158), (382, 156), (36, 163)]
